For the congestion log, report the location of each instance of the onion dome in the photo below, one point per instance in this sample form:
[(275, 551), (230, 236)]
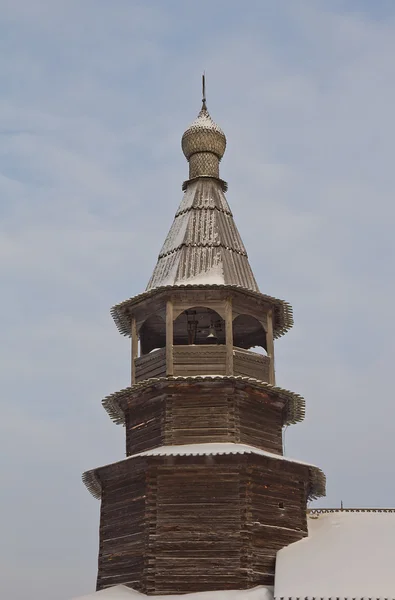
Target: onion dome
[(203, 135), (203, 144)]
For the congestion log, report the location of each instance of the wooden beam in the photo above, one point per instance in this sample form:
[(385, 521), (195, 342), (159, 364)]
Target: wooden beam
[(135, 349), (270, 347), (169, 338), (229, 336)]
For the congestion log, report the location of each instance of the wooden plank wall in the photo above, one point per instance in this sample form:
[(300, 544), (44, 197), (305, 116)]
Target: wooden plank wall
[(200, 417), (259, 423), (194, 527), (202, 413), (193, 523), (123, 532), (145, 425), (194, 544), (274, 516)]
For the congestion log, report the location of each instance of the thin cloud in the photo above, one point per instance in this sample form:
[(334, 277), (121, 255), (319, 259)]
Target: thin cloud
[(94, 102)]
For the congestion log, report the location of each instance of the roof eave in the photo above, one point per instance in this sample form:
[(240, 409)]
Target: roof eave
[(283, 310), (317, 479), (295, 407)]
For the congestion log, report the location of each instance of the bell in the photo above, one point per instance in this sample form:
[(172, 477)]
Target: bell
[(212, 335)]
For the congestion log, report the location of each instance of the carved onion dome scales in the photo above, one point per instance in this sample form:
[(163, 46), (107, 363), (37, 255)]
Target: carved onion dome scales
[(203, 144), (205, 497)]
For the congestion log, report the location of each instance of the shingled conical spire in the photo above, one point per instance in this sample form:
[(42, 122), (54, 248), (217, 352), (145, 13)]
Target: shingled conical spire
[(203, 245)]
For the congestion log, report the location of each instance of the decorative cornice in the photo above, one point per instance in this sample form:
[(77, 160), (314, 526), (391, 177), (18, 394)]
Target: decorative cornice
[(295, 404), (92, 483), (282, 309), (223, 184)]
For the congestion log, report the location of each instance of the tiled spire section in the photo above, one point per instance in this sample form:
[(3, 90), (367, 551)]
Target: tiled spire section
[(203, 245)]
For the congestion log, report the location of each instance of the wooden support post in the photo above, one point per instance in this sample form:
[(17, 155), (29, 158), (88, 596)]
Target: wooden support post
[(270, 347), (229, 336), (135, 348), (169, 338)]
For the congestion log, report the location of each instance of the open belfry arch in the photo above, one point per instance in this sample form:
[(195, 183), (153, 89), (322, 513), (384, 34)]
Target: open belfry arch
[(204, 498)]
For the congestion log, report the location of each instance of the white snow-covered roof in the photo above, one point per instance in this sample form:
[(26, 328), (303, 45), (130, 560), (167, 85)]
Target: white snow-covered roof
[(348, 553), (214, 448), (113, 593), (123, 592)]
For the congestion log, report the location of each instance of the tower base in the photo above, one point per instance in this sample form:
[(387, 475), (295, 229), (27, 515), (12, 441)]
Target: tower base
[(179, 523)]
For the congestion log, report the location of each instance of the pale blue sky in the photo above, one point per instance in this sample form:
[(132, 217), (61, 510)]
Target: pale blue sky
[(94, 97)]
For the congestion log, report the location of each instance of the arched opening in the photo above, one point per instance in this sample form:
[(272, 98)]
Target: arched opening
[(152, 334), (198, 326), (248, 333)]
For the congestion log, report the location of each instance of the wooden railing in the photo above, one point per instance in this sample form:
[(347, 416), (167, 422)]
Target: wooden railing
[(203, 360), (200, 360), (251, 364), (151, 365)]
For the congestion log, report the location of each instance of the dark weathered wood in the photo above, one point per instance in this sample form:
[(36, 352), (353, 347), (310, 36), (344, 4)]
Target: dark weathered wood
[(202, 412), (229, 336), (151, 365), (169, 337), (189, 524), (135, 345), (270, 347), (145, 427)]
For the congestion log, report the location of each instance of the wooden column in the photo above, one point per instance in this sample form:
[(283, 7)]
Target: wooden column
[(270, 347), (229, 336), (135, 348), (169, 338)]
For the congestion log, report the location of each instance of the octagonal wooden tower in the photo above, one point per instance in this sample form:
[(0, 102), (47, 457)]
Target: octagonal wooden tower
[(205, 497)]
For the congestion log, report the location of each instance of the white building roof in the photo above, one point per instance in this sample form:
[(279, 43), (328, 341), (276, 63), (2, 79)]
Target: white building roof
[(349, 553), (113, 593), (124, 593)]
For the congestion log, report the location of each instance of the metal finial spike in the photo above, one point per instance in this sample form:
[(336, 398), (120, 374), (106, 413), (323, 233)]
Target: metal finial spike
[(204, 90)]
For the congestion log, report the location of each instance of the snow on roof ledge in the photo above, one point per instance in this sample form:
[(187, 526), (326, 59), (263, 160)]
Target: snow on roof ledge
[(122, 592), (113, 593), (347, 554), (212, 449), (317, 478)]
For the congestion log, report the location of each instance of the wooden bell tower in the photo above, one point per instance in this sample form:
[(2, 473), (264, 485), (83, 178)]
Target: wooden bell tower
[(204, 498)]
